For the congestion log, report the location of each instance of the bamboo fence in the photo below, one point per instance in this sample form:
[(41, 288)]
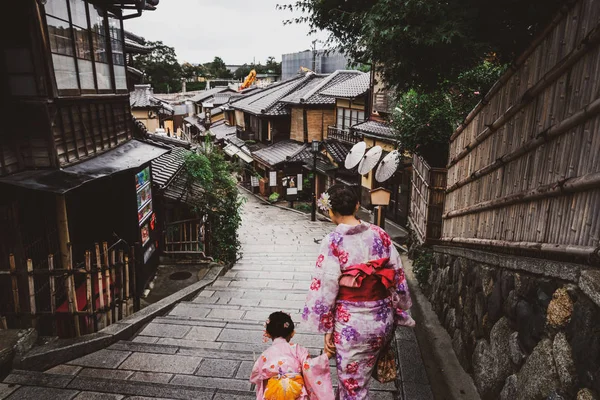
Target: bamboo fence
[(428, 187), (74, 300), (524, 170)]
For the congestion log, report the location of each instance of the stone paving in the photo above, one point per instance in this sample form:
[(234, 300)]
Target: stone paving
[(205, 348)]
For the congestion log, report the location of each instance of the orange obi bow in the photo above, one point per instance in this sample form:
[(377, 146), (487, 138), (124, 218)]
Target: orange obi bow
[(354, 275)]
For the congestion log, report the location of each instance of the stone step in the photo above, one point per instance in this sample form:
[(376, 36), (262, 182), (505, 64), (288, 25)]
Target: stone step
[(184, 387)]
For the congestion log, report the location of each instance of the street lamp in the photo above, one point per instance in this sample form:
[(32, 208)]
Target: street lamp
[(380, 198), (314, 150)]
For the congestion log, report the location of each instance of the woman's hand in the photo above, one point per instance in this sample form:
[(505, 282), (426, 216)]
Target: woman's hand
[(329, 345)]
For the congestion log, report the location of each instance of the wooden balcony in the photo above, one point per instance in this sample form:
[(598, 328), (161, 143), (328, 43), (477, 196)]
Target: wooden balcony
[(343, 135)]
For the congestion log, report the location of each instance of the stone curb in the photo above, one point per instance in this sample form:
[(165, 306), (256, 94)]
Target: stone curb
[(64, 350), (459, 384)]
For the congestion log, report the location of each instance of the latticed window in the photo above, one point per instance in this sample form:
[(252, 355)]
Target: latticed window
[(87, 47)]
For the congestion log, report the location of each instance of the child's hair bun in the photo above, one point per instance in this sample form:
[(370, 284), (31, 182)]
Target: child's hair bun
[(279, 324)]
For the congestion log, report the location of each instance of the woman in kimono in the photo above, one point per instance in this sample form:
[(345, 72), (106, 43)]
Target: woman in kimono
[(285, 371), (358, 293)]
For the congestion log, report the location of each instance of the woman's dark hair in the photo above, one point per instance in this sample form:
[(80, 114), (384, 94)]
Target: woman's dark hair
[(280, 325), (343, 199)]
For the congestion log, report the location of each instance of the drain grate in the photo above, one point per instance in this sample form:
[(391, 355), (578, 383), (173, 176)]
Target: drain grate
[(180, 276)]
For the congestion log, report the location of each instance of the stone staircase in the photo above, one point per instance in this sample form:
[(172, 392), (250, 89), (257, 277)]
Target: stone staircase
[(205, 348)]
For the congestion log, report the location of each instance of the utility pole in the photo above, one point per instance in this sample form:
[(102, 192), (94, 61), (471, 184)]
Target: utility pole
[(314, 64)]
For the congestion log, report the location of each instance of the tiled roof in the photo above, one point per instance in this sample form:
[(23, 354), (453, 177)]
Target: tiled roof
[(143, 97), (357, 86), (207, 94), (220, 130), (197, 122), (306, 156), (181, 190), (376, 129), (337, 150), (312, 92), (134, 71), (279, 152), (267, 101), (165, 167), (167, 141), (135, 47), (220, 98)]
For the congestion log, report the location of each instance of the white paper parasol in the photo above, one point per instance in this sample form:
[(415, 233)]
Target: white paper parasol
[(355, 155), (370, 160), (388, 166)]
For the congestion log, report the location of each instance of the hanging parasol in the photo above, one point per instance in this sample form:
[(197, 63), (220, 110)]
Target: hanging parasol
[(370, 160), (388, 166), (355, 155)]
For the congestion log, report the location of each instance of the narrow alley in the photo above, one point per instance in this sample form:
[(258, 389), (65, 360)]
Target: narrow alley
[(205, 348)]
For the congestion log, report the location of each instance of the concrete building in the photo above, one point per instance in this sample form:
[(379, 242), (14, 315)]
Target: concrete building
[(325, 62)]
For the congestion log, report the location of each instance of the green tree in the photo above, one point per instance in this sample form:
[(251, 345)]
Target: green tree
[(218, 69), (161, 67), (219, 202), (422, 43)]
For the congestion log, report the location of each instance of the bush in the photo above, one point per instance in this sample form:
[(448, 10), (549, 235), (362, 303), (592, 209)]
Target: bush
[(422, 267), (303, 207), (219, 201), (274, 197)]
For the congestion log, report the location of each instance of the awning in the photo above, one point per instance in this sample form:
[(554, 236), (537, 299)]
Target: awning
[(130, 155), (232, 150)]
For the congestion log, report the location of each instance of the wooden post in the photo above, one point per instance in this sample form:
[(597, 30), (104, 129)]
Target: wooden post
[(3, 324), (113, 287), (134, 288), (109, 286), (15, 284), (100, 288), (52, 288), (88, 292), (63, 228), (71, 292), (122, 302), (126, 287), (31, 281)]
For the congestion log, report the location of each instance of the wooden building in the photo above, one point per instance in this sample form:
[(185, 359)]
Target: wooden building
[(71, 172), (519, 258)]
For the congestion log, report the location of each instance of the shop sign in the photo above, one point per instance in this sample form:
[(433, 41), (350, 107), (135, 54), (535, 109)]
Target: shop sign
[(254, 181), (273, 178)]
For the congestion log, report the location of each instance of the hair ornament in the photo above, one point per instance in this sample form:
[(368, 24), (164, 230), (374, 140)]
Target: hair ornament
[(286, 325), (324, 202)]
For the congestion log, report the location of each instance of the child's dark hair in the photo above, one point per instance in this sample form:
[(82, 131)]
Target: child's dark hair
[(280, 325), (343, 199)]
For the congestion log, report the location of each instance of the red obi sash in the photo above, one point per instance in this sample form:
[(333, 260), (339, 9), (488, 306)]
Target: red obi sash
[(366, 282)]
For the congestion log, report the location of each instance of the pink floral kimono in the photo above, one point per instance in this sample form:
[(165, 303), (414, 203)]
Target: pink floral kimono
[(361, 326), (283, 359)]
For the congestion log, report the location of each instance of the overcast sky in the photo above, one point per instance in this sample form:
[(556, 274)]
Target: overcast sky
[(238, 31)]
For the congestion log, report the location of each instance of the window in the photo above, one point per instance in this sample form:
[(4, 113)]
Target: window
[(82, 38), (347, 117)]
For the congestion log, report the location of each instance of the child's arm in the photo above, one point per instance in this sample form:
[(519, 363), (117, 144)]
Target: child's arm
[(317, 376)]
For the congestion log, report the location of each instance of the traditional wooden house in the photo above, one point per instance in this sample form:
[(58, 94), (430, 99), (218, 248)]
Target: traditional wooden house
[(517, 263), (71, 172), (148, 109), (134, 44)]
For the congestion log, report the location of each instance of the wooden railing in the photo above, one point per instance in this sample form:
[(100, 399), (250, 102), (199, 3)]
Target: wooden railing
[(343, 135), (185, 238), (427, 200), (74, 300)]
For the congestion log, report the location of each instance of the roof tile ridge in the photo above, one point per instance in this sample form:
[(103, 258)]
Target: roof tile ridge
[(285, 93)]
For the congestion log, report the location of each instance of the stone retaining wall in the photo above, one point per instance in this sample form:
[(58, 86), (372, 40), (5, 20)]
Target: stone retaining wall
[(523, 328)]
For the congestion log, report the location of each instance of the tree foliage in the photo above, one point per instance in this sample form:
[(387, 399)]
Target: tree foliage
[(422, 43), (160, 67), (270, 67), (425, 120), (219, 202)]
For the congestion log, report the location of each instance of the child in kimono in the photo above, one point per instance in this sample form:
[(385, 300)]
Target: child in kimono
[(285, 371)]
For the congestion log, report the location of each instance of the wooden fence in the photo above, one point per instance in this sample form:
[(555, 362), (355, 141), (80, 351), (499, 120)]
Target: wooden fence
[(426, 200), (71, 301), (185, 240), (524, 171)]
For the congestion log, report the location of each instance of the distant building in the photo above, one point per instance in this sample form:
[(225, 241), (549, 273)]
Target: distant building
[(326, 62), (233, 68)]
